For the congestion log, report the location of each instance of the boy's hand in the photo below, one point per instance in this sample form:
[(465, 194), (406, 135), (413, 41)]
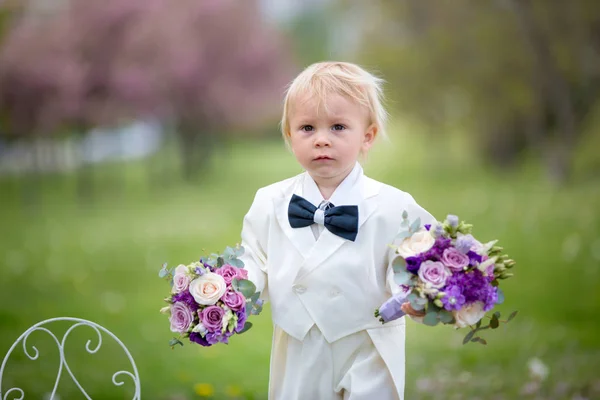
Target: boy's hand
[(407, 309)]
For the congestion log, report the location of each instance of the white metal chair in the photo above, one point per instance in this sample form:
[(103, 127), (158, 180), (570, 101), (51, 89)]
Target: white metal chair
[(33, 354)]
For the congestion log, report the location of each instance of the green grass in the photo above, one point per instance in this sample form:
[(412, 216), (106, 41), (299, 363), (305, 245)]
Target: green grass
[(99, 259)]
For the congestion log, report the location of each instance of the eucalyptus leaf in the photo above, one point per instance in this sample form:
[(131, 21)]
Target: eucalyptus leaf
[(446, 317), (478, 324), (476, 339), (220, 262), (415, 225), (512, 315), (239, 251), (404, 214), (163, 273), (399, 264), (500, 296), (403, 277), (255, 297), (235, 262), (173, 342), (403, 235), (246, 327), (246, 287), (235, 284), (431, 319), (416, 302), (228, 253), (468, 337), (482, 341)]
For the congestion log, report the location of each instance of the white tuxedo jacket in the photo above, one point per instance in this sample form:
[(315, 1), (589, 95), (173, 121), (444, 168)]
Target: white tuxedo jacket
[(330, 281)]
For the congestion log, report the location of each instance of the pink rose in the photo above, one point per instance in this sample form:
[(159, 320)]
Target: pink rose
[(434, 273), (181, 317), (242, 273), (234, 300), (181, 279), (228, 272), (454, 259), (212, 318)]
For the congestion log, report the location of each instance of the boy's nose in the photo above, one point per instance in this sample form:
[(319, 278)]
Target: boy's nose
[(321, 140)]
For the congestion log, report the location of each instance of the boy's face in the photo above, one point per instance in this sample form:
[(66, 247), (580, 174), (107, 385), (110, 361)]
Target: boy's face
[(327, 141)]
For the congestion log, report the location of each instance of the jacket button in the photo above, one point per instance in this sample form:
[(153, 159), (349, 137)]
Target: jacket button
[(298, 289)]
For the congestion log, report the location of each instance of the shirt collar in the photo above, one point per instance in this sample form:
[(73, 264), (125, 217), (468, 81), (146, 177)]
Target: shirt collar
[(345, 194)]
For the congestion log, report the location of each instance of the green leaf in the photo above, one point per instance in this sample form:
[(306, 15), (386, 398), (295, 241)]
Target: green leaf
[(416, 302), (246, 327), (500, 296), (403, 277), (399, 264), (246, 287), (173, 342), (446, 317), (403, 235), (494, 323), (497, 314), (220, 262), (404, 214), (235, 284), (512, 315), (229, 252), (415, 225), (468, 337), (235, 262), (431, 319), (482, 341), (254, 297), (478, 324), (476, 339)]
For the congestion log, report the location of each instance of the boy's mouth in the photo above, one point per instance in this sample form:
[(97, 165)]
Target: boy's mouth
[(323, 158)]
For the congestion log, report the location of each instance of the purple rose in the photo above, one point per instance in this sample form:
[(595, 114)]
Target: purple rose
[(434, 273), (241, 319), (454, 259), (454, 299), (181, 317), (234, 300), (228, 272), (413, 264), (212, 318), (187, 298)]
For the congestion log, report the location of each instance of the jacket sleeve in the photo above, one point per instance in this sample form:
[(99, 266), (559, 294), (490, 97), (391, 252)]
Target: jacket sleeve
[(254, 241), (414, 211)]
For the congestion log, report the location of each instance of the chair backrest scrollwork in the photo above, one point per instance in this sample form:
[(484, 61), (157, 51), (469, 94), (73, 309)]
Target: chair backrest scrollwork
[(33, 354)]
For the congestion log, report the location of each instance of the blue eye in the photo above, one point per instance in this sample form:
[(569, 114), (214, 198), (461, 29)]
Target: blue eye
[(307, 128), (338, 127)]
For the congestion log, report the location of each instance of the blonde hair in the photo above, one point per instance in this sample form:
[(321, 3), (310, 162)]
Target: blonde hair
[(331, 77)]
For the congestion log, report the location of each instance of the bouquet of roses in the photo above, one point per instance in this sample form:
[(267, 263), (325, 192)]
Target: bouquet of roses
[(447, 276), (210, 299)]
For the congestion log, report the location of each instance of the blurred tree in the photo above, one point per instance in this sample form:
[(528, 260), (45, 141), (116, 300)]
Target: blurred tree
[(202, 67), (519, 75)]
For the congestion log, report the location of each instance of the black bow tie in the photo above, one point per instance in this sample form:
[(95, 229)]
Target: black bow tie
[(341, 221)]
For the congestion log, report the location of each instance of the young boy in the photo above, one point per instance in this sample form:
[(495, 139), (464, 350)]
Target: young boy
[(317, 245)]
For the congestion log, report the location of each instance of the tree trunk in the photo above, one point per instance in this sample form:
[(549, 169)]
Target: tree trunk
[(555, 88)]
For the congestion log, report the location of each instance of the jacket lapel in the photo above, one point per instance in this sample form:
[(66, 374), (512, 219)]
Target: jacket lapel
[(328, 243), (302, 238)]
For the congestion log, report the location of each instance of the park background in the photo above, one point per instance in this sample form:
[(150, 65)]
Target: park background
[(136, 132)]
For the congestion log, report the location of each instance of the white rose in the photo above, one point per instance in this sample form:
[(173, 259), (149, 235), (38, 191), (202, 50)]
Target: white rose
[(469, 315), (419, 242), (181, 279), (208, 288)]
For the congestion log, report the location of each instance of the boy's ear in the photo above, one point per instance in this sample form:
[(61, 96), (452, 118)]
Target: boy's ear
[(370, 135)]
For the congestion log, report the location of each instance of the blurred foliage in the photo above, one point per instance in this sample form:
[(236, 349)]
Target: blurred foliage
[(203, 68), (519, 77)]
